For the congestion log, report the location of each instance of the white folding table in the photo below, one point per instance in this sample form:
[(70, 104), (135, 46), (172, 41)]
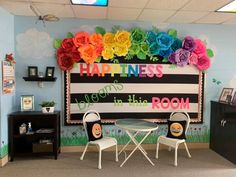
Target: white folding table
[(133, 127)]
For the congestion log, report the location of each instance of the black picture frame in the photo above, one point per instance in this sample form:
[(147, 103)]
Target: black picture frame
[(49, 72), (226, 94), (234, 99), (32, 71)]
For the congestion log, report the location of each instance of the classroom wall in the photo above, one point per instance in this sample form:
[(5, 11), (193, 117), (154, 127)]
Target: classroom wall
[(33, 48), (7, 100)]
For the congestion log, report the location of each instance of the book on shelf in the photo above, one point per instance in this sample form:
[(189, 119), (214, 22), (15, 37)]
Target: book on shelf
[(45, 130)]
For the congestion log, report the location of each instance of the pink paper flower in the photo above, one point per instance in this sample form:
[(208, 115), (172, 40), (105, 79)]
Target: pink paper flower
[(200, 47), (203, 63), (193, 59)]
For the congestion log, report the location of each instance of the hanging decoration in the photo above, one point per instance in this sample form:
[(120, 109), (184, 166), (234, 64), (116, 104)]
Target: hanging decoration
[(8, 74)]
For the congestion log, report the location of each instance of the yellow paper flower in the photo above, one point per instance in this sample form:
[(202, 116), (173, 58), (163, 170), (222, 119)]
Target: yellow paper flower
[(121, 50), (108, 39), (123, 38), (107, 53)]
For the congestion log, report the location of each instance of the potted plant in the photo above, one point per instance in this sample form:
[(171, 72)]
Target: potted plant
[(47, 106)]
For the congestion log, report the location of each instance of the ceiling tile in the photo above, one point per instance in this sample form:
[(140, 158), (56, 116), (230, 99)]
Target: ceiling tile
[(205, 5), (44, 1), (123, 13), (17, 8), (59, 10), (230, 22), (155, 15), (127, 3), (216, 18), (186, 17), (166, 5), (90, 12)]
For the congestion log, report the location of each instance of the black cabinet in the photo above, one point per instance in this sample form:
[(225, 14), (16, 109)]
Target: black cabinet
[(223, 130), (44, 138)]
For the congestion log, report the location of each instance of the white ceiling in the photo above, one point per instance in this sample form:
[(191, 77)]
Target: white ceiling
[(158, 11)]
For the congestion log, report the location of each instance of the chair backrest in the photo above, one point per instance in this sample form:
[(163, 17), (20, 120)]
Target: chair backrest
[(90, 116), (178, 116)]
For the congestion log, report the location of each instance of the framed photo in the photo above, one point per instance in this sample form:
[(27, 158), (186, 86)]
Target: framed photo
[(27, 103), (32, 71), (50, 72), (226, 95), (234, 99)]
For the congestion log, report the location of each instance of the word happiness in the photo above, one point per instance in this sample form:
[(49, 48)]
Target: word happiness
[(124, 70)]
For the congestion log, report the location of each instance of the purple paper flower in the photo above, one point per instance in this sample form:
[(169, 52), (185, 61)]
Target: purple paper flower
[(189, 44), (171, 58), (182, 57)]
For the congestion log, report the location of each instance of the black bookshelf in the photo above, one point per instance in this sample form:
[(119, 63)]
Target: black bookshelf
[(45, 127)]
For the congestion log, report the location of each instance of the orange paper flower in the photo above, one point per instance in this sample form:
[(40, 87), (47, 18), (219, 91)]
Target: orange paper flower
[(88, 53), (96, 39), (81, 39)]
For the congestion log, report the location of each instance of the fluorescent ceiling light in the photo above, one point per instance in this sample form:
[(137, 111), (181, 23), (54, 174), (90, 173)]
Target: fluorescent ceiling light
[(90, 2), (231, 7)]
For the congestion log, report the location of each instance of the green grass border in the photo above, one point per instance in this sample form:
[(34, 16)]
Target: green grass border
[(3, 151)]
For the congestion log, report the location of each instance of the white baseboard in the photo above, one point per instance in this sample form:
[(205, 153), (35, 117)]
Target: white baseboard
[(131, 147), (3, 161)]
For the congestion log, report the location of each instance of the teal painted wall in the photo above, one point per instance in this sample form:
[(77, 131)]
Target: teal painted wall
[(8, 100), (41, 54)]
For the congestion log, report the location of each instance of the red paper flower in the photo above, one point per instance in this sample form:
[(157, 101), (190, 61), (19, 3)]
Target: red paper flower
[(65, 61), (75, 54), (67, 44)]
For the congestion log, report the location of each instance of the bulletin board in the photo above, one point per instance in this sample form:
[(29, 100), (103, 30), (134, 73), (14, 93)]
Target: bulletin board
[(137, 90)]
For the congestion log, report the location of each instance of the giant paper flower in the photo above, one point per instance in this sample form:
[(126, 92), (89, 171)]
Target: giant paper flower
[(121, 50), (203, 63), (164, 41), (108, 39), (108, 53), (81, 39), (189, 44), (96, 39), (88, 53), (200, 47), (67, 44), (138, 36), (65, 61), (180, 57), (122, 38)]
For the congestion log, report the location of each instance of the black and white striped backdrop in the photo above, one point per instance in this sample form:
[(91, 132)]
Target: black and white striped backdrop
[(120, 93)]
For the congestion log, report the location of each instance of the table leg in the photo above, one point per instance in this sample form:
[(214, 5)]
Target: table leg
[(137, 147), (135, 134)]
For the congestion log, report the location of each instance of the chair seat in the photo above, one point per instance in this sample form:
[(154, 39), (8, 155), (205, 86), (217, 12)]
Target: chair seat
[(170, 141), (105, 142)]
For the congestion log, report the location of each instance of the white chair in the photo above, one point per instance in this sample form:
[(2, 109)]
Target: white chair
[(102, 143), (172, 142)]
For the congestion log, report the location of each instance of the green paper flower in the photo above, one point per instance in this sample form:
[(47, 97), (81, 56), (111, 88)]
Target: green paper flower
[(138, 35)]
